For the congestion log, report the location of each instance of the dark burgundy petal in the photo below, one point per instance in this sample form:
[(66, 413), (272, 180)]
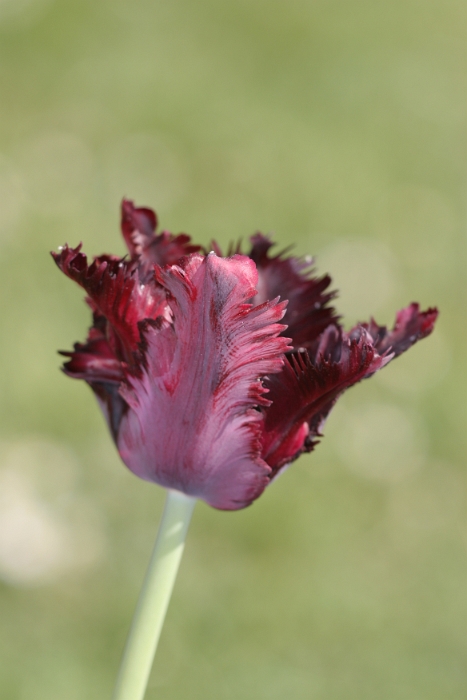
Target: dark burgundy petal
[(96, 363), (94, 360), (308, 313), (411, 325), (193, 423), (139, 231), (138, 227), (112, 404), (115, 293), (304, 392)]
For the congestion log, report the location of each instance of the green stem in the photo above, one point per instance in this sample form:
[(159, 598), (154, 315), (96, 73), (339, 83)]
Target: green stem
[(154, 598)]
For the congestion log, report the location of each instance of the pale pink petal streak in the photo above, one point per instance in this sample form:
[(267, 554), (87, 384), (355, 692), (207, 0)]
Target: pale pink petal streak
[(195, 424)]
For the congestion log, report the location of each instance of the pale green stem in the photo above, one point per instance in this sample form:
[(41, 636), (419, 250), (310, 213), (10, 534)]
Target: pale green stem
[(154, 598)]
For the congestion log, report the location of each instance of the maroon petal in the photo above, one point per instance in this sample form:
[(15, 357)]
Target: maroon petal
[(194, 424), (94, 360), (411, 325), (96, 363), (112, 404), (138, 227), (116, 293), (308, 313), (304, 392), (139, 231)]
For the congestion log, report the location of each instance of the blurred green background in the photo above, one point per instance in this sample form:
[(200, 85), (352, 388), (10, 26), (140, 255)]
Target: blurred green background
[(339, 126)]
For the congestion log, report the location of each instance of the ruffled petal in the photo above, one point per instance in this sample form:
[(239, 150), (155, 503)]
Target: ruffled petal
[(410, 325), (96, 363), (305, 391), (94, 360), (308, 313), (194, 423), (139, 231), (115, 293), (138, 226)]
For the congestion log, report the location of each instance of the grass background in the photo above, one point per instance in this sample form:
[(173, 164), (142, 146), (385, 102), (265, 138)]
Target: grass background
[(340, 126)]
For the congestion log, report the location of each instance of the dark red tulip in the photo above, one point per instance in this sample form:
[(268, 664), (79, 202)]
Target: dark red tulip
[(204, 389)]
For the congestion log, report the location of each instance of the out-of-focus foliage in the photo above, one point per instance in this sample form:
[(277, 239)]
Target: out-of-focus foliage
[(339, 125)]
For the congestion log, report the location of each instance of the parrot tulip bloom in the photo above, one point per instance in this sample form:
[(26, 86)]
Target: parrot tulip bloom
[(214, 372)]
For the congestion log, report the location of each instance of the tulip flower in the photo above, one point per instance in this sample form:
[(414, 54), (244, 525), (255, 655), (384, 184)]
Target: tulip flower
[(214, 373)]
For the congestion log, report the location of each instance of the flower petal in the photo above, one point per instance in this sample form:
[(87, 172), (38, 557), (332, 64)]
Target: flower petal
[(94, 360), (139, 231), (113, 406), (138, 226), (194, 424), (308, 313), (116, 293), (304, 392), (411, 325)]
